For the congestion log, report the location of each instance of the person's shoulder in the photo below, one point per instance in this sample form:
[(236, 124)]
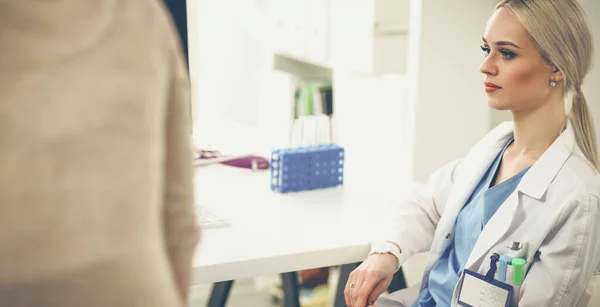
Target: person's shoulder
[(165, 23), (169, 41)]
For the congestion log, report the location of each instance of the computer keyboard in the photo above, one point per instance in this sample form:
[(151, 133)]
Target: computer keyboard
[(209, 219)]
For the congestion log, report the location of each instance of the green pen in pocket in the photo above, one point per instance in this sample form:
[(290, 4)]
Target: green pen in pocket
[(518, 264)]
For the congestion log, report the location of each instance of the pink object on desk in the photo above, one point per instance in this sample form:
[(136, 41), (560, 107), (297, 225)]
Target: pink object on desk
[(251, 162), (254, 162)]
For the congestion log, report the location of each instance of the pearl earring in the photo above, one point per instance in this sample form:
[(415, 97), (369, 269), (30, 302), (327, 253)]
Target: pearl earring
[(553, 83)]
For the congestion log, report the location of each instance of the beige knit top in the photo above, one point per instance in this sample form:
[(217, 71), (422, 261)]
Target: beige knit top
[(95, 165)]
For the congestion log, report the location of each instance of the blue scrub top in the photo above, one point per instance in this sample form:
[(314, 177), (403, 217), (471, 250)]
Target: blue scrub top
[(478, 210)]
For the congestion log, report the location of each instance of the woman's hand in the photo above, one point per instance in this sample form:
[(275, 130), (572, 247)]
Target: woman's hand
[(370, 279)]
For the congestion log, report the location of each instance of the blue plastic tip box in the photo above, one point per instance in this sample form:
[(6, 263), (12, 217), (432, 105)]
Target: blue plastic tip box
[(307, 168)]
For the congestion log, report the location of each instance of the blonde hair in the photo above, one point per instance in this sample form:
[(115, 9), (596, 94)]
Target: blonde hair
[(563, 36)]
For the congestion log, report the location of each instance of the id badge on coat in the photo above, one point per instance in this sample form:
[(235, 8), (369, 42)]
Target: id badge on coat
[(479, 291)]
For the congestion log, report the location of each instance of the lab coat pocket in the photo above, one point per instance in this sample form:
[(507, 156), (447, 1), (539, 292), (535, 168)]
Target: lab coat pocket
[(513, 274), (506, 273), (520, 250)]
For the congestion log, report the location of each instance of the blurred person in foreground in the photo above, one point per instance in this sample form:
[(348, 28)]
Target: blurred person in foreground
[(95, 160)]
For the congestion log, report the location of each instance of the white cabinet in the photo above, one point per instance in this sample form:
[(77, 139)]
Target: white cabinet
[(370, 36), (317, 30), (351, 37), (390, 36), (299, 29)]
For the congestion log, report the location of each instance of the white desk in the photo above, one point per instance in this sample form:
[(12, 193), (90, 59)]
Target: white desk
[(273, 233)]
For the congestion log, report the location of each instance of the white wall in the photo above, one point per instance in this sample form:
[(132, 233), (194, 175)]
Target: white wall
[(590, 87), (390, 41), (498, 117), (447, 100)]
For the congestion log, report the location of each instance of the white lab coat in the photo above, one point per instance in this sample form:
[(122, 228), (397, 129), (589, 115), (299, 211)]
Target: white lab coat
[(554, 212)]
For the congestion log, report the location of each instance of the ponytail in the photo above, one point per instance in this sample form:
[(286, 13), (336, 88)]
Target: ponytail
[(583, 127)]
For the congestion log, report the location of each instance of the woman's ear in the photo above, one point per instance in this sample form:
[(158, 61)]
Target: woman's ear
[(557, 75)]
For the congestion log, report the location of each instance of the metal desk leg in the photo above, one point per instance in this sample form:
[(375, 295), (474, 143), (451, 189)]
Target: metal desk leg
[(345, 271), (291, 288), (220, 293)]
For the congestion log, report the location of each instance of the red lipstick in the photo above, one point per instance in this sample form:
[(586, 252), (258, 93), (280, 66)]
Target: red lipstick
[(491, 87)]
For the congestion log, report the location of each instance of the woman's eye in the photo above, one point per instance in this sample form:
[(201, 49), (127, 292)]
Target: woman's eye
[(507, 55), (486, 50)]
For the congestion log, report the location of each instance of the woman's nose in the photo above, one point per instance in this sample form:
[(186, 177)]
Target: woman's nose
[(488, 67)]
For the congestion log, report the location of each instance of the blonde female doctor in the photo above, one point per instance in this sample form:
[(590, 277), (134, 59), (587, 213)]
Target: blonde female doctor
[(516, 221)]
